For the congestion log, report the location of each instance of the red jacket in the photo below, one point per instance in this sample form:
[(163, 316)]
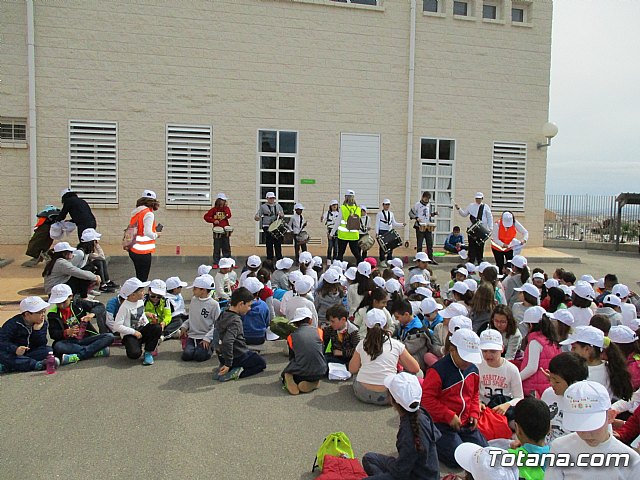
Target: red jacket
[(631, 428), (448, 391), (218, 216)]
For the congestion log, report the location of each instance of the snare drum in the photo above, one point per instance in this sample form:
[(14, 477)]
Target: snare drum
[(228, 230), (278, 229), (302, 238), (366, 242), (389, 240), (218, 232), (478, 232)]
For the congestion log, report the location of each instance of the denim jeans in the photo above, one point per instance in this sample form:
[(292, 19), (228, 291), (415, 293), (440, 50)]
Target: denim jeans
[(450, 439), (84, 348), (194, 351), (26, 362), (251, 362)]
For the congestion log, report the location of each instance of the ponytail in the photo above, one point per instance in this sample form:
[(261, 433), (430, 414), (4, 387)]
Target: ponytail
[(524, 274), (374, 341), (619, 376)]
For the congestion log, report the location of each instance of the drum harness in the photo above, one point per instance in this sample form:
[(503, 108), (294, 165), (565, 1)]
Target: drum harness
[(475, 220)]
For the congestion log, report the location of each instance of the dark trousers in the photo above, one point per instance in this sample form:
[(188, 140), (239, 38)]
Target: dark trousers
[(251, 363), (427, 238), (353, 246), (332, 248), (26, 362), (272, 244), (502, 258), (221, 248), (476, 252), (333, 359), (450, 440), (378, 465), (84, 348), (150, 335), (142, 264), (298, 246), (79, 286), (194, 351), (99, 266)]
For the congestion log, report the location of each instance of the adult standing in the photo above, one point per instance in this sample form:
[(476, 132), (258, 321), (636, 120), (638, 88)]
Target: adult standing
[(477, 212), (348, 229), (503, 238), (145, 243), (422, 214), (79, 210), (267, 214), (219, 217)]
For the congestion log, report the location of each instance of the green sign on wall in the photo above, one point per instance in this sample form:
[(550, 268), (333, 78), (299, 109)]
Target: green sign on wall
[(308, 181)]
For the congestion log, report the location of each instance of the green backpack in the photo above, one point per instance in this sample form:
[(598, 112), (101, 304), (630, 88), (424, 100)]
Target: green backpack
[(281, 327), (335, 444)]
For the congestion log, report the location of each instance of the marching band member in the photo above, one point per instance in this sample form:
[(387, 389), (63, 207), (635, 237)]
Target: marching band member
[(267, 214), (297, 224), (422, 214), (385, 221), (364, 226), (348, 229), (330, 218), (503, 238), (219, 216), (477, 212)]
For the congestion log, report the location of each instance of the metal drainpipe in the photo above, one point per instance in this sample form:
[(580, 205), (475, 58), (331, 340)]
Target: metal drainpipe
[(33, 162), (409, 166)]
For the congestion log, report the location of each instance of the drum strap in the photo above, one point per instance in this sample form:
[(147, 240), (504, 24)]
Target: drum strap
[(480, 214), (387, 217)]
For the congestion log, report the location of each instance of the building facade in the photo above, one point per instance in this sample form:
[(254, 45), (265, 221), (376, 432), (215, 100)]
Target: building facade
[(302, 97)]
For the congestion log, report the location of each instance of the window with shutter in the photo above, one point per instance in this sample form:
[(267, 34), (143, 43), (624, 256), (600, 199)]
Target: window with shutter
[(13, 131), (93, 160), (508, 176), (360, 168), (189, 164)]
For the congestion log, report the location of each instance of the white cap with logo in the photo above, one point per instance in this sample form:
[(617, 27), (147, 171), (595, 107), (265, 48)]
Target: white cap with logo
[(586, 334), (468, 345), (491, 340), (405, 390), (33, 305), (59, 293), (131, 285), (585, 407), (158, 287), (479, 462)]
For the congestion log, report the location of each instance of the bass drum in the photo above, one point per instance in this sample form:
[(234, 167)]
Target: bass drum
[(479, 232), (389, 240), (366, 242)]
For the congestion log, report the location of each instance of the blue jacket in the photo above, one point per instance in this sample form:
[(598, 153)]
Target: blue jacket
[(432, 325), (256, 321), (16, 332), (452, 239)]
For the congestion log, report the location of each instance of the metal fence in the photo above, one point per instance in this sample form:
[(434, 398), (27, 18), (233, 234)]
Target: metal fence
[(589, 218)]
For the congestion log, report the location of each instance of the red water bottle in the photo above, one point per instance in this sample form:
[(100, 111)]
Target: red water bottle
[(51, 363), (177, 249)]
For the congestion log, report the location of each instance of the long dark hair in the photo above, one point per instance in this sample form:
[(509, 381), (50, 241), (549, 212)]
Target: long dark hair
[(394, 299), (545, 327), (365, 284), (523, 272), (579, 302), (374, 341), (414, 421), (619, 376), (511, 321), (483, 300), (55, 256), (87, 247), (377, 294), (327, 288), (556, 297)]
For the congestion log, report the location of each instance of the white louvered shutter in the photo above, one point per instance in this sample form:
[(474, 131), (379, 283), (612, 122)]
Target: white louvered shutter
[(93, 160), (509, 176), (188, 165), (360, 167)]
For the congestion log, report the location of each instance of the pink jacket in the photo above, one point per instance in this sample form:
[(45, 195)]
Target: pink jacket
[(633, 364), (538, 381)]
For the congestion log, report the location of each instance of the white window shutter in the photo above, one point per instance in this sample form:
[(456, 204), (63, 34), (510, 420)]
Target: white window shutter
[(360, 167), (188, 165), (509, 176), (93, 160)]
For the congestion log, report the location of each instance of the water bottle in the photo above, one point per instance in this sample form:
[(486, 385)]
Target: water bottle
[(177, 249), (51, 363)]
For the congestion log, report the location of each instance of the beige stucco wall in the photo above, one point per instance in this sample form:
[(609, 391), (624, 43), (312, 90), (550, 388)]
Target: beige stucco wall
[(311, 66)]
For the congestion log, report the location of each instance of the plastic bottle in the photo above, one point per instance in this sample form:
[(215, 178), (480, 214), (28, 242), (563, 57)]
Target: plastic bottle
[(51, 363), (177, 249)]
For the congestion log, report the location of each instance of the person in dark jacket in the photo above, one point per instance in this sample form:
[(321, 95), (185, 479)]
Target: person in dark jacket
[(341, 337), (79, 210), (74, 336), (416, 442), (23, 338)]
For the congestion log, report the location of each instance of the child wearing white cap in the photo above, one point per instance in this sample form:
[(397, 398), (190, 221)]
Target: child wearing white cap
[(268, 213), (416, 440), (306, 267), (377, 357), (252, 266), (359, 286), (297, 225), (256, 321), (450, 393), (479, 463), (199, 328), (627, 341), (442, 331), (223, 279), (218, 216), (23, 338), (279, 278), (421, 267), (528, 296), (611, 308), (386, 221), (94, 256), (415, 336), (340, 337), (59, 269), (178, 307), (156, 306), (300, 298), (330, 218), (329, 293), (307, 364), (518, 275), (376, 298), (582, 297), (502, 320), (589, 415)]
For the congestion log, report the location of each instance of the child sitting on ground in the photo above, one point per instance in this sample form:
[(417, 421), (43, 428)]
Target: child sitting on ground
[(256, 321), (416, 439), (330, 293), (156, 306), (178, 307), (532, 425), (199, 329), (412, 333), (341, 337), (454, 241), (479, 464), (236, 360), (279, 279), (307, 364), (224, 282)]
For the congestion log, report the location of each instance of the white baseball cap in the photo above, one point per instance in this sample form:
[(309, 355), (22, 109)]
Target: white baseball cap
[(284, 263), (463, 271), (454, 310), (65, 191), (59, 293), (375, 316), (563, 315), (204, 269), (334, 202), (424, 291), (270, 195), (203, 281), (226, 263), (622, 334), (463, 254), (158, 287), (529, 288), (364, 268), (349, 192), (491, 340), (600, 283), (379, 281), (150, 194), (131, 285), (398, 272), (221, 196), (632, 322), (421, 257), (295, 276), (331, 276), (507, 219), (429, 305), (470, 267), (63, 247), (175, 282), (589, 279), (298, 206), (620, 290), (479, 195), (584, 290), (519, 261), (253, 284), (418, 279), (386, 201), (396, 262), (405, 390), (458, 322), (471, 284), (551, 282), (317, 261), (305, 257), (301, 314), (304, 285), (460, 287), (254, 261), (362, 207), (538, 275), (479, 462), (585, 407), (351, 273), (89, 235), (533, 314), (612, 300), (33, 305), (467, 344), (392, 285), (565, 289), (483, 266), (586, 334)]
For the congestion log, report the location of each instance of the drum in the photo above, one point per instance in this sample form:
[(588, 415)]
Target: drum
[(228, 230), (302, 238), (278, 229), (218, 232), (366, 242), (478, 232), (431, 227), (389, 240)]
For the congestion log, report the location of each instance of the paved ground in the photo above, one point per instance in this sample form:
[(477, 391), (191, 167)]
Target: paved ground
[(114, 418)]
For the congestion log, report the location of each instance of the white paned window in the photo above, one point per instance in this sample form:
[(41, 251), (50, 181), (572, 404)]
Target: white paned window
[(359, 2), (437, 161), (189, 164), (360, 168), (13, 130), (508, 176), (277, 166), (93, 160)]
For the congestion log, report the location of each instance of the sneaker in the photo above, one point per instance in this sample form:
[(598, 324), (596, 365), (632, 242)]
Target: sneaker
[(107, 289), (148, 359), (105, 352), (69, 358), (232, 374), (2, 368), (112, 284), (42, 365), (95, 293)]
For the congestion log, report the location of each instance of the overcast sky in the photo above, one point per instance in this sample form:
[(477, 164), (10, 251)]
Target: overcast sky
[(595, 97)]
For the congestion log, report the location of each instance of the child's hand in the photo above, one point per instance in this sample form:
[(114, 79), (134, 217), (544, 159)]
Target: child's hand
[(21, 351), (224, 369), (455, 423), (501, 409), (137, 334), (204, 344), (473, 423), (73, 331), (183, 333), (482, 407), (545, 372)]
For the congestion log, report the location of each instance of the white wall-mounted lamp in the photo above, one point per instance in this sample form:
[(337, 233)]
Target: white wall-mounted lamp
[(549, 130)]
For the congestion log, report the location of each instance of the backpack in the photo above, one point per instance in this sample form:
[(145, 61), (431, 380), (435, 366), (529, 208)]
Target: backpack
[(129, 236), (336, 445)]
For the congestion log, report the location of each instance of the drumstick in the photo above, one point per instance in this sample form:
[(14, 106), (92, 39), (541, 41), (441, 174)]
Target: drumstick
[(322, 215)]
